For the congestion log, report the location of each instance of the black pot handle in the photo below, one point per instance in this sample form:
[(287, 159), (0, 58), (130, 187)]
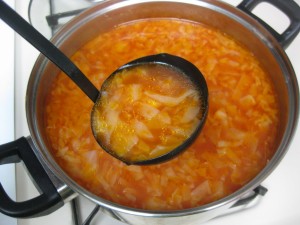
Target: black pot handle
[(289, 7), (49, 199), (258, 192), (252, 199)]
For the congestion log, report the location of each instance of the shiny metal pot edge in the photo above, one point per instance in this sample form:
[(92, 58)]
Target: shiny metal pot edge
[(112, 12)]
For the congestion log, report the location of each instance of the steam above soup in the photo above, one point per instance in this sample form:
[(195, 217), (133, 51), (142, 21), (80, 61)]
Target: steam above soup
[(234, 146)]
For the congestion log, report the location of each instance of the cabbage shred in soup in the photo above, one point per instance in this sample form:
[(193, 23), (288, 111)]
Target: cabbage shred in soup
[(235, 144)]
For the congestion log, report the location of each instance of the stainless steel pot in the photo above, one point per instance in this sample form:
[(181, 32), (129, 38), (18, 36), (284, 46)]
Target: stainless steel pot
[(267, 45)]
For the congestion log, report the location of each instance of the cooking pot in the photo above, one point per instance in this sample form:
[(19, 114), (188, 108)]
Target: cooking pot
[(56, 187)]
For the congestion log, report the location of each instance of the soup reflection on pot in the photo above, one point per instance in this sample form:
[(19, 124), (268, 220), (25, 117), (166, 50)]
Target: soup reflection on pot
[(234, 146)]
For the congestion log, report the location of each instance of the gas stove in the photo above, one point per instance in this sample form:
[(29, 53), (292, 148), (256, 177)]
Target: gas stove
[(278, 206)]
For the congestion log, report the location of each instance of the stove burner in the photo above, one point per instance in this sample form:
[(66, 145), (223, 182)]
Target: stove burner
[(76, 216)]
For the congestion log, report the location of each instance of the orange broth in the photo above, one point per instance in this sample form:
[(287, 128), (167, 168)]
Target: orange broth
[(235, 144)]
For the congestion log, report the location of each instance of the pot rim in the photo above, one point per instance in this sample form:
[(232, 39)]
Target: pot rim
[(217, 6)]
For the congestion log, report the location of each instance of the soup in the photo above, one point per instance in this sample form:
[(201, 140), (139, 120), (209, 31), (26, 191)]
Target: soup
[(146, 111), (234, 146)]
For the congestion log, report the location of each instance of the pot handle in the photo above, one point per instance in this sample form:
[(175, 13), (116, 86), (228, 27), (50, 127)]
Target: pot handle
[(247, 202), (258, 192), (49, 199), (290, 8)]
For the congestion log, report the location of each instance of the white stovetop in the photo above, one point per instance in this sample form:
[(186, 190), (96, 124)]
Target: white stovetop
[(7, 108), (280, 204)]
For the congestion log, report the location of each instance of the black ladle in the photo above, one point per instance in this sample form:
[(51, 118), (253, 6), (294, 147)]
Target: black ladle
[(42, 44), (184, 67), (28, 32)]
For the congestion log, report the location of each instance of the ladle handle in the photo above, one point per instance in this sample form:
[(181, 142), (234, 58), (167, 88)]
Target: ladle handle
[(41, 43)]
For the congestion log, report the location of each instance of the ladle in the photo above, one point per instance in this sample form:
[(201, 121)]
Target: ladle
[(28, 32), (50, 51)]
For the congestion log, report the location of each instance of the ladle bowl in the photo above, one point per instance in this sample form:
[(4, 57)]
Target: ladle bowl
[(185, 68)]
